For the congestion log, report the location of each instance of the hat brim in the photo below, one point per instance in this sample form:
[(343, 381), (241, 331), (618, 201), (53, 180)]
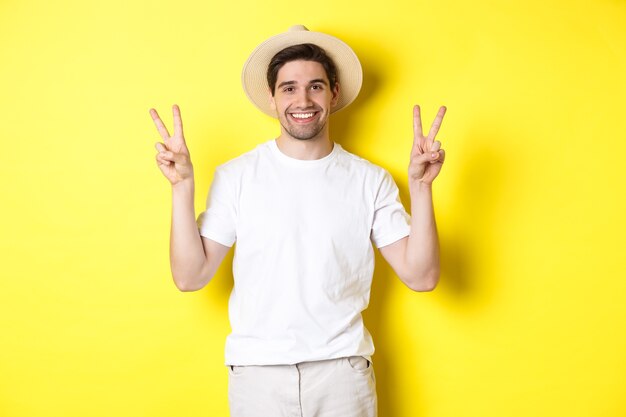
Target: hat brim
[(254, 74)]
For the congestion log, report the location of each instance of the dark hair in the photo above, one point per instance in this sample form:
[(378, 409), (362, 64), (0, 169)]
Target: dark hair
[(304, 52)]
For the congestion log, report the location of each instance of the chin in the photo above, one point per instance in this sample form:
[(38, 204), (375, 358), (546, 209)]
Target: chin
[(304, 135)]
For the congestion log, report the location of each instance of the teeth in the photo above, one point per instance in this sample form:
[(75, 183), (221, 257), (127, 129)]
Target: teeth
[(302, 115)]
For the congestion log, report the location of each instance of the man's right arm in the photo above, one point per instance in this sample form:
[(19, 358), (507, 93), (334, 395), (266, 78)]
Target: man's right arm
[(193, 258)]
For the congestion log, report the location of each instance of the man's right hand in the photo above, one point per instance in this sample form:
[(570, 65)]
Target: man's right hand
[(173, 158)]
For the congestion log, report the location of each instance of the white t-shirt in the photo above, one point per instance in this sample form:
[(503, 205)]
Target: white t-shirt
[(304, 260)]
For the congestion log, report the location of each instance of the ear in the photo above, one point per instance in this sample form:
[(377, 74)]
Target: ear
[(335, 97), (270, 98)]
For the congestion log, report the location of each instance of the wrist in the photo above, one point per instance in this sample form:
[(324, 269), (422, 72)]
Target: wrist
[(185, 185), (420, 188)]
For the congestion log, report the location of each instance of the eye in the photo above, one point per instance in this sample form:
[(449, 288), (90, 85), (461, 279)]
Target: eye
[(316, 87), (288, 89)]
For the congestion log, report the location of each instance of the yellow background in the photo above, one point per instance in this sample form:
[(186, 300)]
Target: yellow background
[(529, 317)]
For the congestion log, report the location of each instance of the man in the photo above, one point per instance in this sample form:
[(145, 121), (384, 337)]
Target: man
[(304, 213)]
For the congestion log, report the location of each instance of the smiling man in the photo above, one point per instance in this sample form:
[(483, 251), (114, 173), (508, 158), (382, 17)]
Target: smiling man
[(303, 96), (304, 214)]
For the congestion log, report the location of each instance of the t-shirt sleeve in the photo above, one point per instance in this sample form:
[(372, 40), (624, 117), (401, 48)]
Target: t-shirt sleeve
[(218, 221), (391, 221)]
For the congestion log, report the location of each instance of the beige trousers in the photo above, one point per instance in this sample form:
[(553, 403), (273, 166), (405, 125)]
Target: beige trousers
[(344, 387)]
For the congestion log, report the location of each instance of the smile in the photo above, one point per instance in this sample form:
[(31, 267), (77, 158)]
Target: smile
[(303, 117)]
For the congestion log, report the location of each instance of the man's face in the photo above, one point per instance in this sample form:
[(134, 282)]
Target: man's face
[(303, 99)]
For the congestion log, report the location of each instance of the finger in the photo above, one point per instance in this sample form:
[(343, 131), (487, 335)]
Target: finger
[(438, 157), (160, 147), (425, 158), (442, 155), (167, 155), (178, 121), (419, 147), (435, 146), (417, 129), (162, 161), (175, 157), (159, 124), (436, 125)]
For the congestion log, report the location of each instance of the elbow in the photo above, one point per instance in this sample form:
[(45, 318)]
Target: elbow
[(188, 285), (186, 288), (189, 279), (425, 283)]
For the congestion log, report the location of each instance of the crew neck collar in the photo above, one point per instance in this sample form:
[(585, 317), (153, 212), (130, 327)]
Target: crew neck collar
[(303, 162)]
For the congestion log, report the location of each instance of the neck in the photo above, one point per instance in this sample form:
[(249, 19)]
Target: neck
[(310, 149)]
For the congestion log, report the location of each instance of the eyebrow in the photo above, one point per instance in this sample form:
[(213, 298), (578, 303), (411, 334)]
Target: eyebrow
[(316, 80), (286, 83)]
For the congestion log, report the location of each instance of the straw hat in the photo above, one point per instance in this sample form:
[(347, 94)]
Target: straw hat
[(254, 74)]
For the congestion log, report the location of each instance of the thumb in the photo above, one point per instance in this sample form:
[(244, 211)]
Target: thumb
[(176, 157), (425, 158)]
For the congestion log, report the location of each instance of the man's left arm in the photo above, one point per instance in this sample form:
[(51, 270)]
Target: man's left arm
[(415, 258)]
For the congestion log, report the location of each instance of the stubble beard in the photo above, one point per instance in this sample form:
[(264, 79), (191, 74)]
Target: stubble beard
[(302, 132)]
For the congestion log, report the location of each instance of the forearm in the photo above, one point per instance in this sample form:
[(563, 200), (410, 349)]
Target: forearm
[(187, 256), (422, 249)]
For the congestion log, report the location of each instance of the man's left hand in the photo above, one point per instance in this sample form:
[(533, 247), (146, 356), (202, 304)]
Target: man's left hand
[(426, 155)]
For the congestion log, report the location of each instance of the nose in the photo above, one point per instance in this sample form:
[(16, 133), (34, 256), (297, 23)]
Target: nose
[(303, 100)]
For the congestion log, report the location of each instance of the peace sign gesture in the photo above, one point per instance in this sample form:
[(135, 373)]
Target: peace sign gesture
[(426, 155), (173, 158)]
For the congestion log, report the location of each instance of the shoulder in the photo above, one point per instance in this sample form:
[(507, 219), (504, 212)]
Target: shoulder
[(362, 165), (237, 166)]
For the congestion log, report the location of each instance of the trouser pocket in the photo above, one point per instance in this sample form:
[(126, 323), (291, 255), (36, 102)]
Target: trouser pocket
[(359, 363)]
